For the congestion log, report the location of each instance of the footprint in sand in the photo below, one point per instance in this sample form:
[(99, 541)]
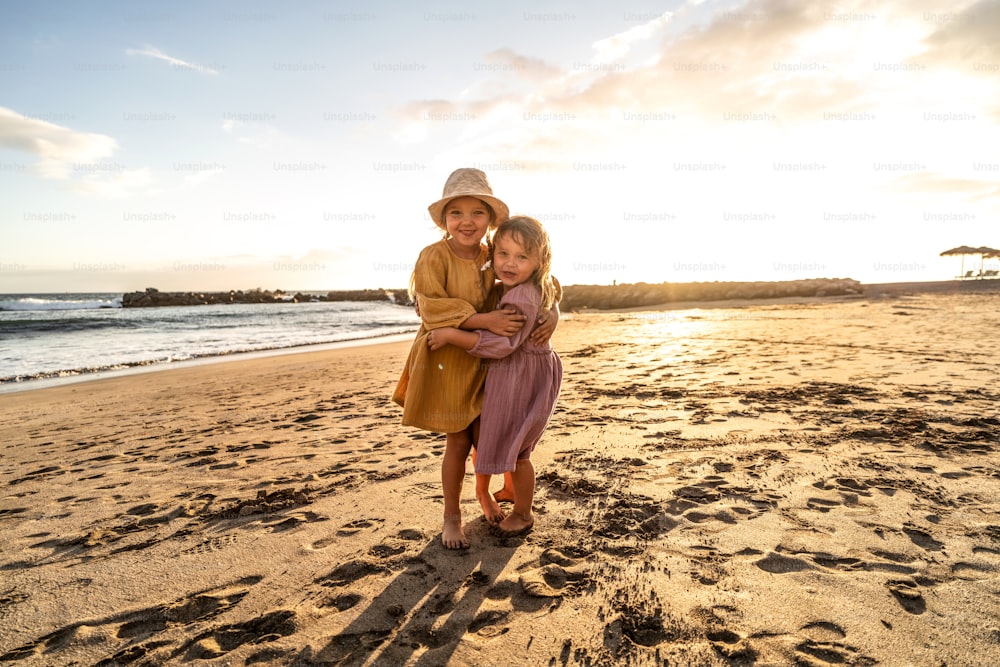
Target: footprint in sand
[(143, 624), (218, 641), (908, 595), (777, 564), (922, 539), (718, 616), (344, 602), (40, 474), (5, 513), (430, 490), (846, 486), (320, 544), (490, 623), (821, 504), (559, 575), (411, 534), (823, 631), (834, 653), (973, 571), (211, 545), (292, 520), (347, 648), (356, 526), (727, 643), (390, 547), (351, 571), (644, 627), (629, 516)]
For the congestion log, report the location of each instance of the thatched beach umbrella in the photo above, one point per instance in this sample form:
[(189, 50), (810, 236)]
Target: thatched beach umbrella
[(962, 250), (984, 252)]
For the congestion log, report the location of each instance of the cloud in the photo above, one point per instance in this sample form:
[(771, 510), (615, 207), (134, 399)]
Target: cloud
[(152, 52), (617, 46), (521, 105), (933, 183), (795, 61), (69, 155), (59, 150), (779, 78), (966, 41), (508, 61), (968, 36)]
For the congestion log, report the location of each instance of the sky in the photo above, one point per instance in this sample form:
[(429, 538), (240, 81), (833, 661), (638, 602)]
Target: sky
[(296, 145)]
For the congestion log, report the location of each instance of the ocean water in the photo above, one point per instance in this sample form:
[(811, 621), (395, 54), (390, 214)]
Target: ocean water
[(66, 335)]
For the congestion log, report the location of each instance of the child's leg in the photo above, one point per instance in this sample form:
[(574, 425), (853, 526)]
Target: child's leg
[(520, 519), (456, 451), (491, 510), (507, 492)]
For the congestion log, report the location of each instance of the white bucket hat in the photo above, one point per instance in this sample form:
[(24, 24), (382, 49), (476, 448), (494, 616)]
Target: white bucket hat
[(468, 182)]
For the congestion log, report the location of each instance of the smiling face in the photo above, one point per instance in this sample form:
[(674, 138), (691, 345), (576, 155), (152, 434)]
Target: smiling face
[(513, 263), (467, 219)]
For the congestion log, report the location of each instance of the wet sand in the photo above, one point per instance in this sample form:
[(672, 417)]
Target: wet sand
[(802, 483)]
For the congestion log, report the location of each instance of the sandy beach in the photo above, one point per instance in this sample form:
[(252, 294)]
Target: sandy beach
[(773, 483)]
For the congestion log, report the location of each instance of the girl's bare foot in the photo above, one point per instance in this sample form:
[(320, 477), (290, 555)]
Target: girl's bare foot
[(491, 511), (515, 524), (504, 495), (452, 535)]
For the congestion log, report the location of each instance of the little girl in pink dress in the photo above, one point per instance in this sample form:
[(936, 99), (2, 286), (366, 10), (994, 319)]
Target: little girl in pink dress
[(523, 379)]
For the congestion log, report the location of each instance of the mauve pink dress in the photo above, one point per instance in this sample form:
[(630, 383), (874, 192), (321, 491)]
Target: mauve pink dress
[(522, 384)]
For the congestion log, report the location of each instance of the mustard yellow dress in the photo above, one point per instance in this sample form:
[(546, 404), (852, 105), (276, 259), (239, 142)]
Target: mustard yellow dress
[(442, 390)]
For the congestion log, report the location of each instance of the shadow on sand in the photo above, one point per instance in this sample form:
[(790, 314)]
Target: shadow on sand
[(432, 603)]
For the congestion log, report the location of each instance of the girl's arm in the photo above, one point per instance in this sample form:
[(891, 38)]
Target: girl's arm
[(438, 338), (546, 325), (547, 321), (486, 344), (524, 298), (435, 306), (505, 322)]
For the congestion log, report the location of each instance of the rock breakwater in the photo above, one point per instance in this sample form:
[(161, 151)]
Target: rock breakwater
[(152, 297), (575, 297)]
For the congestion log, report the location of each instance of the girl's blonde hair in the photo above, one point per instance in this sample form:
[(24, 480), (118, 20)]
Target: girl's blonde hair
[(532, 236)]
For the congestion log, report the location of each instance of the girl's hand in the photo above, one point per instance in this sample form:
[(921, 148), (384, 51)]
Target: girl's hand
[(546, 325), (506, 322), (437, 338)]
